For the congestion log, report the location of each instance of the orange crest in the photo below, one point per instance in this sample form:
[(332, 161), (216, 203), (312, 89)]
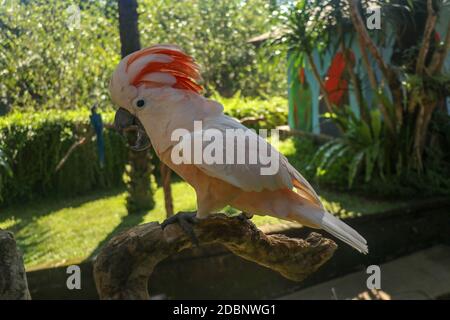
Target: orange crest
[(181, 67)]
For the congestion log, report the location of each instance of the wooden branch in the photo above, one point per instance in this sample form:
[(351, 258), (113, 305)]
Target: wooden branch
[(349, 64), (249, 121), (72, 148), (13, 279), (166, 174), (362, 32), (319, 80), (366, 42), (440, 54), (429, 28), (124, 265), (317, 138), (79, 143)]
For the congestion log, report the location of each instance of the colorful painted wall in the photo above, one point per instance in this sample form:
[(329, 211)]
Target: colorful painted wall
[(305, 106)]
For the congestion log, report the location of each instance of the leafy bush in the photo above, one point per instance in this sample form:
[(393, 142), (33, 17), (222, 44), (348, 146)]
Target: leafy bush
[(361, 145), (46, 63), (216, 33), (273, 111), (361, 155), (33, 143)]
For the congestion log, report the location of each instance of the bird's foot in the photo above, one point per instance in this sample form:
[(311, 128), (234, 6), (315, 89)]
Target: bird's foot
[(245, 216), (186, 220)]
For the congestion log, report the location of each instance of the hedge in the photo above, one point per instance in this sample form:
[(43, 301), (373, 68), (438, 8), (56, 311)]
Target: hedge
[(33, 143)]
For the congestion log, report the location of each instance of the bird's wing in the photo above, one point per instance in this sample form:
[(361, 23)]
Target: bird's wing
[(248, 176)]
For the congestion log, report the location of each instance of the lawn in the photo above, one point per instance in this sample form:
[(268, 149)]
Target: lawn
[(56, 232)]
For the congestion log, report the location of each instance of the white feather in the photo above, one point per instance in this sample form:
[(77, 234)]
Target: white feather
[(333, 225)]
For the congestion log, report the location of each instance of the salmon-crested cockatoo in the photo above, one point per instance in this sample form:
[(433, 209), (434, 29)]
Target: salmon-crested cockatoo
[(159, 95)]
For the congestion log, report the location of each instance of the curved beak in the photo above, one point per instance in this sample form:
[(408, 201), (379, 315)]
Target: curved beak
[(132, 129)]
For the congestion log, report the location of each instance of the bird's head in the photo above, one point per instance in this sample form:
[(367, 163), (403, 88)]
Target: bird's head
[(136, 78)]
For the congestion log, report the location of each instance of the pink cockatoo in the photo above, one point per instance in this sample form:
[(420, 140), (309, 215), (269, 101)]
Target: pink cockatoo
[(158, 92)]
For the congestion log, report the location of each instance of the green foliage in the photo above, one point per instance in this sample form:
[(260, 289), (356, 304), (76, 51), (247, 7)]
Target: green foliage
[(299, 152), (363, 153), (273, 110), (5, 170), (216, 33), (46, 63), (361, 144), (35, 142)]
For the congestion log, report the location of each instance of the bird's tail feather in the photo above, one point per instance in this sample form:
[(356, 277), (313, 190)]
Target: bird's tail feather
[(332, 225)]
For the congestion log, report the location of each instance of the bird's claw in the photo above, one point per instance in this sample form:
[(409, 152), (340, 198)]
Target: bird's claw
[(243, 216), (185, 220)]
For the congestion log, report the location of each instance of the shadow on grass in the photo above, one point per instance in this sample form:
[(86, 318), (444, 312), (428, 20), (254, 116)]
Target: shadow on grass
[(128, 221)]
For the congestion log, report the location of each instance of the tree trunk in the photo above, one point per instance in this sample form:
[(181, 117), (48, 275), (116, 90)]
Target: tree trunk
[(166, 174), (13, 279), (128, 24), (140, 197)]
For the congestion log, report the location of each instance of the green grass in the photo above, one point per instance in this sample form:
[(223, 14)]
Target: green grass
[(56, 232)]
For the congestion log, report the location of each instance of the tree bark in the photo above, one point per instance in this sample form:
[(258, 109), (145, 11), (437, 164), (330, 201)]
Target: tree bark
[(123, 267), (362, 32), (429, 29), (13, 279), (166, 174), (364, 41), (440, 54), (128, 27), (350, 64), (319, 80), (140, 196)]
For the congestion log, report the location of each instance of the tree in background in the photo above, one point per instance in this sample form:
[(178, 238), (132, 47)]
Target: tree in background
[(140, 195), (216, 33), (45, 63), (395, 137)]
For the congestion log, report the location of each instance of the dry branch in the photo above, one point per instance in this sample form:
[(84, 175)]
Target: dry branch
[(365, 37), (440, 54), (429, 29), (319, 80), (72, 148), (394, 84), (124, 265)]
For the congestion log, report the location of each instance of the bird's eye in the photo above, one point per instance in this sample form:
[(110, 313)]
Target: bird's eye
[(140, 103)]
